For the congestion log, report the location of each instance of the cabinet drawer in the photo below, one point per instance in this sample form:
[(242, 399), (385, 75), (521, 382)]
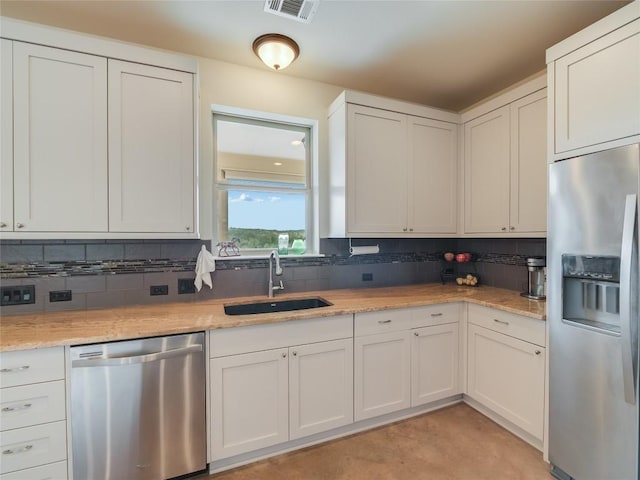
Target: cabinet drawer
[(232, 341), (435, 315), (518, 326), (28, 405), (33, 446), (53, 471), (31, 366), (370, 323)]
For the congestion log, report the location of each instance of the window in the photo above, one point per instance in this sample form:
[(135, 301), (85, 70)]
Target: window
[(262, 183)]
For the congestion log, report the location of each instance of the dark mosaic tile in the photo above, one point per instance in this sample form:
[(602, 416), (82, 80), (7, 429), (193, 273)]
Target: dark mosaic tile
[(105, 251), (125, 282), (86, 283), (141, 251), (61, 253), (105, 299), (12, 253)]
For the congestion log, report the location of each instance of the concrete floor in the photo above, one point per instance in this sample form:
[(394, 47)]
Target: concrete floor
[(454, 443)]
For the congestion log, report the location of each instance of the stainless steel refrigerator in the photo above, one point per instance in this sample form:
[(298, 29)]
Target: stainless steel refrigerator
[(593, 291)]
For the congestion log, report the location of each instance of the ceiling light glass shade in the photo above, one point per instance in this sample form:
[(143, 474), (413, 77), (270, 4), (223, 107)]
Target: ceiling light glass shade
[(275, 50)]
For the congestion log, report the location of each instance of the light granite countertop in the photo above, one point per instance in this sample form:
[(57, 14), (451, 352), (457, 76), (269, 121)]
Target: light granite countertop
[(41, 330)]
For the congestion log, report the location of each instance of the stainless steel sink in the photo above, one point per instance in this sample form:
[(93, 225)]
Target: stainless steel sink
[(275, 306)]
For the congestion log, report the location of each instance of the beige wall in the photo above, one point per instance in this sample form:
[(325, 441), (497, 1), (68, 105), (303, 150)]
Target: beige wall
[(261, 90)]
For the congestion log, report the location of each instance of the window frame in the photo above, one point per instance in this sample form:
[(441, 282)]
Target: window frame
[(310, 189)]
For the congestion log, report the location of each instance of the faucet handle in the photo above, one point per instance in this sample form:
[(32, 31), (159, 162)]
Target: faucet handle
[(279, 287)]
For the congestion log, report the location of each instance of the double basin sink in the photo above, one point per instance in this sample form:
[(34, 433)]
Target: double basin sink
[(275, 306)]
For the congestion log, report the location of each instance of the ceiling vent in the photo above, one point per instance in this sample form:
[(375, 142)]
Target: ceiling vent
[(300, 10)]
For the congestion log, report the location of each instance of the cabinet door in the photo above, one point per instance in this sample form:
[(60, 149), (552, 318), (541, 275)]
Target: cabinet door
[(434, 363), (382, 376), (432, 184), (376, 171), (249, 398), (507, 376), (597, 91), (528, 211), (60, 140), (151, 150), (486, 163), (6, 136), (320, 387)]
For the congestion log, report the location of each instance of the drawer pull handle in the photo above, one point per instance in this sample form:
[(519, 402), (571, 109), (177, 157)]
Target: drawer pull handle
[(502, 322), (19, 407), (384, 321), (537, 352), (26, 448), (439, 314), (16, 369)]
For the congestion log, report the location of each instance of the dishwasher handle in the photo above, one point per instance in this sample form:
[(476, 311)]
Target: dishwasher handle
[(149, 357)]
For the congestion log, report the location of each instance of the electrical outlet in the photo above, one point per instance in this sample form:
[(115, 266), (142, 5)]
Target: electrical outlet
[(18, 295), (185, 285), (367, 277), (159, 290), (60, 296)]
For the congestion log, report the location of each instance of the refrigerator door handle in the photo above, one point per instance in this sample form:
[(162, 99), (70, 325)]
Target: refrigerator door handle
[(626, 259)]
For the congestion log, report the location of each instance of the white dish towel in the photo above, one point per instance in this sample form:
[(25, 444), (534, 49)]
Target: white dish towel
[(205, 264)]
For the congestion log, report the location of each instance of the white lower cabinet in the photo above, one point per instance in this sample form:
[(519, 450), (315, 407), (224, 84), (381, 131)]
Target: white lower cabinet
[(405, 358), (320, 387), (52, 471), (33, 427), (382, 368), (507, 374), (250, 401), (434, 363), (263, 398)]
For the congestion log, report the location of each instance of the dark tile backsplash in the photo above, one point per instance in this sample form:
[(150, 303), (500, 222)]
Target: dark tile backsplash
[(109, 273)]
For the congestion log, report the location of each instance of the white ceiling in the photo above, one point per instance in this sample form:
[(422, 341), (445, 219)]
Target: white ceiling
[(448, 54)]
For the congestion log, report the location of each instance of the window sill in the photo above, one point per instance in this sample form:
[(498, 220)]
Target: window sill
[(265, 256)]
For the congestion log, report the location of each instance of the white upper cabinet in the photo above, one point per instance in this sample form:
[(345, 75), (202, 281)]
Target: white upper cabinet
[(393, 169), (6, 135), (486, 147), (94, 147), (594, 79), (433, 172), (60, 140), (151, 149), (505, 167), (376, 170), (528, 206)]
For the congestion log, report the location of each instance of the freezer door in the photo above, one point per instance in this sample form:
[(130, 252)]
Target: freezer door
[(593, 347), (138, 408)]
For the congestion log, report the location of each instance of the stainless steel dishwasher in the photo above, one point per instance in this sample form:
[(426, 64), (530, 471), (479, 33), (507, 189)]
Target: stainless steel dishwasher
[(138, 408)]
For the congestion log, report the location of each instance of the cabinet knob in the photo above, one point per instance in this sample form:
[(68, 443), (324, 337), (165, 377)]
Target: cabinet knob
[(512, 228), (20, 225), (187, 228), (411, 229), (284, 355), (504, 229), (295, 354), (2, 224), (404, 229), (416, 334), (537, 352)]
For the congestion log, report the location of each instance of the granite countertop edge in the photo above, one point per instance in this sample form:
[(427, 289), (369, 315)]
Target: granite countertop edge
[(43, 330)]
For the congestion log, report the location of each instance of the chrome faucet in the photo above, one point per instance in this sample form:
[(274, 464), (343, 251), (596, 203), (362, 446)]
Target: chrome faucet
[(272, 289)]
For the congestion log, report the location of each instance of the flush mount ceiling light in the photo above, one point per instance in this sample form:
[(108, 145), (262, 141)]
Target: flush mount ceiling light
[(275, 50)]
